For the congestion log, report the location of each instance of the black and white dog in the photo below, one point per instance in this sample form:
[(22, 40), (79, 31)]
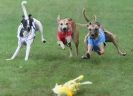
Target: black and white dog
[(26, 32)]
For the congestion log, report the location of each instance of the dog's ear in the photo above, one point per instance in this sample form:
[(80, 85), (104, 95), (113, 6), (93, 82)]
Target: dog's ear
[(58, 18), (95, 18), (22, 16), (29, 15)]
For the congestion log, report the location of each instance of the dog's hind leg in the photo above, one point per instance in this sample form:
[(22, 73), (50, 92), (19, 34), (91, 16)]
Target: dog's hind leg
[(76, 42), (16, 52), (118, 49), (76, 45), (112, 38), (70, 49)]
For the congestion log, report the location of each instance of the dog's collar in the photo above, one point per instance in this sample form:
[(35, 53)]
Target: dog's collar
[(65, 32)]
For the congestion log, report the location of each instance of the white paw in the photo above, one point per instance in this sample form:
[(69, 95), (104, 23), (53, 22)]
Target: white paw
[(9, 59), (71, 56), (124, 54), (61, 44), (63, 47), (44, 40), (26, 59)]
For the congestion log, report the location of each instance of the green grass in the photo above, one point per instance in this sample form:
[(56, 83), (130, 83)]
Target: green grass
[(111, 74)]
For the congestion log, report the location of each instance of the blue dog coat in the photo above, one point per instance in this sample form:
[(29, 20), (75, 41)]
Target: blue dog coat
[(96, 42)]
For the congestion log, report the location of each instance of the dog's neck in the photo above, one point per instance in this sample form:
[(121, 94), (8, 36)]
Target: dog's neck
[(64, 32)]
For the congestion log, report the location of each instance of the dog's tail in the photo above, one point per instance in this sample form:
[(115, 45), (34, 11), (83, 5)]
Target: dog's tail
[(24, 9), (84, 14), (85, 83)]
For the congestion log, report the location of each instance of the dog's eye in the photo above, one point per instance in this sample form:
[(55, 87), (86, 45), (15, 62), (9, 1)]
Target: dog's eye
[(66, 23), (61, 23), (89, 29)]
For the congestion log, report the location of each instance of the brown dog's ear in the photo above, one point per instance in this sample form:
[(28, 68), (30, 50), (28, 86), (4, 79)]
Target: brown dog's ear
[(95, 18), (58, 18)]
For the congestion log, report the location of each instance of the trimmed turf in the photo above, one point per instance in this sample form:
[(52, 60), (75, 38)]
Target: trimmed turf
[(111, 74)]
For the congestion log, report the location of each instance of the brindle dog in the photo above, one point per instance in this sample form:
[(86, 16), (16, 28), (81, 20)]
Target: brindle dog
[(93, 33)]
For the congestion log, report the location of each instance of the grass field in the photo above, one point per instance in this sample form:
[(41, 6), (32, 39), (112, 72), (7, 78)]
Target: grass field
[(111, 74)]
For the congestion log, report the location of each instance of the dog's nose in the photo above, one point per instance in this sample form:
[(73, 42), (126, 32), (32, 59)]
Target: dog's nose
[(64, 29), (92, 35)]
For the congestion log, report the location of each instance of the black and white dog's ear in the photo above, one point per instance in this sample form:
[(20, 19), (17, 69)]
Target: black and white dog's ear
[(29, 15), (22, 19), (22, 16), (58, 18)]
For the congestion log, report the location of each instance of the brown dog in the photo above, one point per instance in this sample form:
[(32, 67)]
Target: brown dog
[(94, 28), (66, 33)]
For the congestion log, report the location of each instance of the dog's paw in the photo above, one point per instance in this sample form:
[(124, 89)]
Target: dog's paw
[(44, 40), (86, 56), (68, 44), (124, 54), (26, 59), (63, 47), (9, 59), (70, 56), (61, 44)]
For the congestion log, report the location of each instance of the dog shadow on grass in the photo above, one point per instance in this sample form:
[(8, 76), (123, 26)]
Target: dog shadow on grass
[(49, 57), (63, 57)]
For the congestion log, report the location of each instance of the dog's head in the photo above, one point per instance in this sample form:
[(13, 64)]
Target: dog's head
[(92, 26), (93, 29), (27, 23), (64, 25)]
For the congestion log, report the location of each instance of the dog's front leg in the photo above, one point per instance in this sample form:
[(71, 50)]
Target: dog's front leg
[(68, 39), (60, 43), (41, 31), (17, 51), (28, 47), (42, 35), (70, 50), (27, 52)]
